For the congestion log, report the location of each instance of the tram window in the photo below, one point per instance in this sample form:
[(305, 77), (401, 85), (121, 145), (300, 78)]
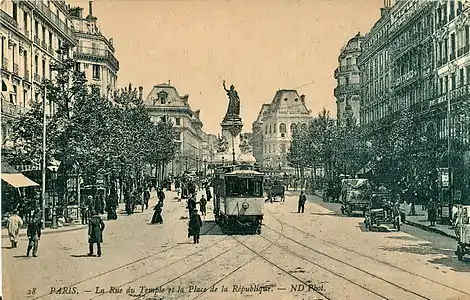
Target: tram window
[(249, 187)]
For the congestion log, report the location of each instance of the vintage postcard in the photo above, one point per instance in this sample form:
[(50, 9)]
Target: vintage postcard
[(222, 149)]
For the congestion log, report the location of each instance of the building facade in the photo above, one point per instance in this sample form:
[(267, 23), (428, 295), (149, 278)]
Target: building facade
[(94, 53), (347, 75), (30, 32), (165, 103), (274, 126)]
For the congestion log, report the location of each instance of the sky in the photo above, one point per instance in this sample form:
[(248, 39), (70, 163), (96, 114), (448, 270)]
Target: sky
[(258, 46)]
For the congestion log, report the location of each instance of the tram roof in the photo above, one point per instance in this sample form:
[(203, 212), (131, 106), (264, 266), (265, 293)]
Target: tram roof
[(241, 172)]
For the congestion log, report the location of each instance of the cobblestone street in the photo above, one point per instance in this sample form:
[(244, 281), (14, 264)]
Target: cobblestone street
[(316, 255)]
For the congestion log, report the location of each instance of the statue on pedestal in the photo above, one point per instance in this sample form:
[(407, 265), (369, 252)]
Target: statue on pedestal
[(234, 101)]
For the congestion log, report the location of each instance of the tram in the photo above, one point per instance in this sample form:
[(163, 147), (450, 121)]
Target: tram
[(238, 198)]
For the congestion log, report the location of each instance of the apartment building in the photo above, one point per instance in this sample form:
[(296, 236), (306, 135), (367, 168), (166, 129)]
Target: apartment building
[(30, 32)]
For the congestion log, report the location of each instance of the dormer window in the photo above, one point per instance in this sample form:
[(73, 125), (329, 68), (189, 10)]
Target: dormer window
[(162, 97), (285, 99)]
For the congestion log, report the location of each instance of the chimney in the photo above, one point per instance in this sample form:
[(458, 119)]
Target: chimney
[(302, 98), (90, 8), (141, 91)]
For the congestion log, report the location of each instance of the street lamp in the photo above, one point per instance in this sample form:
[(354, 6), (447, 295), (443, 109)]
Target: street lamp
[(223, 161), (54, 199), (452, 68), (205, 166)]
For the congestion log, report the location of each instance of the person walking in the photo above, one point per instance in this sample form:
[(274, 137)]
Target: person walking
[(157, 215), (432, 212), (146, 198), (191, 204), (202, 206), (95, 233), (208, 193), (195, 224), (14, 223), (302, 200), (34, 232), (161, 196), (84, 212)]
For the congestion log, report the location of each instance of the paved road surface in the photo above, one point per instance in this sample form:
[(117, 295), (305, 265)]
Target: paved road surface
[(316, 255)]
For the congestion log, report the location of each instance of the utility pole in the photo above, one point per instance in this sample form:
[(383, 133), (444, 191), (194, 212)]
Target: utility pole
[(43, 196)]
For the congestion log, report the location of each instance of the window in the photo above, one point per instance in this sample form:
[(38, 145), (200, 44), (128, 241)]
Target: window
[(96, 72), (178, 121), (43, 69), (25, 61), (162, 97), (25, 96), (15, 11), (244, 187), (36, 28), (36, 64), (283, 148), (77, 66), (43, 33), (50, 39), (283, 129), (293, 127), (25, 20)]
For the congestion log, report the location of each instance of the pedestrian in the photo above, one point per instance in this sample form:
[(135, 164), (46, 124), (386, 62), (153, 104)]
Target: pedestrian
[(403, 211), (161, 196), (95, 233), (302, 199), (14, 223), (34, 232), (202, 206), (157, 215), (208, 193), (195, 224), (191, 204), (283, 198), (84, 212), (146, 198), (432, 212)]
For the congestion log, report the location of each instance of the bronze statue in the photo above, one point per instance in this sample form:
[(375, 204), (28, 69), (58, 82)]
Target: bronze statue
[(234, 101)]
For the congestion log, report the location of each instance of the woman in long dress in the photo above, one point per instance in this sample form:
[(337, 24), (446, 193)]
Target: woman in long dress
[(157, 215)]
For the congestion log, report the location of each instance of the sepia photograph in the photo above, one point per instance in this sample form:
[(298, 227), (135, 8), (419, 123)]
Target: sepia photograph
[(235, 149)]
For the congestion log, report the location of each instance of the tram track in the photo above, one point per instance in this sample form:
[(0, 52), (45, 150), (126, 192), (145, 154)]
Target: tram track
[(350, 265), (131, 263)]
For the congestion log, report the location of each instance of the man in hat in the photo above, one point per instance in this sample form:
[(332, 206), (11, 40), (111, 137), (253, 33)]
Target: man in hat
[(195, 224), (34, 232), (302, 200), (95, 233), (84, 211), (13, 224)]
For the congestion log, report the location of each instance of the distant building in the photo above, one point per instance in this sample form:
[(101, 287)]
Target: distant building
[(347, 75), (273, 128), (94, 53), (164, 102)]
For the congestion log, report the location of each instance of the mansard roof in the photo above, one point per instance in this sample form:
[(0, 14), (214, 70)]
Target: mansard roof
[(170, 94), (288, 101)]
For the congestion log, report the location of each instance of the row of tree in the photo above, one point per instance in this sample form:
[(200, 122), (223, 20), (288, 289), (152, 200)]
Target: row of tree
[(89, 134), (401, 152)]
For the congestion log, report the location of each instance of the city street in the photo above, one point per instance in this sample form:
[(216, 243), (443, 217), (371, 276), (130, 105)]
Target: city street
[(316, 255)]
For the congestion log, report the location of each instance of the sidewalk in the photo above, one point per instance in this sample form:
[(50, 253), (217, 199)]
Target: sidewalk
[(421, 221), (78, 226)]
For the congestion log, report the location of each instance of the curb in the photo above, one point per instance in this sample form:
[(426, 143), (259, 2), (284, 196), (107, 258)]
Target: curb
[(67, 229), (429, 228)]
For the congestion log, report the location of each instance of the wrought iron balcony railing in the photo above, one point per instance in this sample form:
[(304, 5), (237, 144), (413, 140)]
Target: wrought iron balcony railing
[(97, 55), (12, 109), (36, 40), (16, 69), (8, 19), (5, 64), (46, 11)]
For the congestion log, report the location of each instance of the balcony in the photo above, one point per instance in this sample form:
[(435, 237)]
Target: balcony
[(96, 55), (463, 50), (341, 90), (54, 19), (406, 77), (36, 40), (16, 69), (460, 92), (37, 77), (44, 45), (5, 64), (12, 109), (26, 75), (9, 20)]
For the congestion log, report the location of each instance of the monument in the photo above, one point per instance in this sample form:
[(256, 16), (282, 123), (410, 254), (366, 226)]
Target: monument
[(229, 143)]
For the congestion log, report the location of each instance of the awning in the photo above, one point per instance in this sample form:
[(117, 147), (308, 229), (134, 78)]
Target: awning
[(18, 180)]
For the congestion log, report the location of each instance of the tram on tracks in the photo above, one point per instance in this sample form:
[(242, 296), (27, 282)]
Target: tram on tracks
[(239, 198)]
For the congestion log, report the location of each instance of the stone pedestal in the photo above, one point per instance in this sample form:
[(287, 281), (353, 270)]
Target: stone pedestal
[(231, 127)]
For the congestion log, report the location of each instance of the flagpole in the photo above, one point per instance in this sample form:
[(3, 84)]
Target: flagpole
[(44, 159)]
